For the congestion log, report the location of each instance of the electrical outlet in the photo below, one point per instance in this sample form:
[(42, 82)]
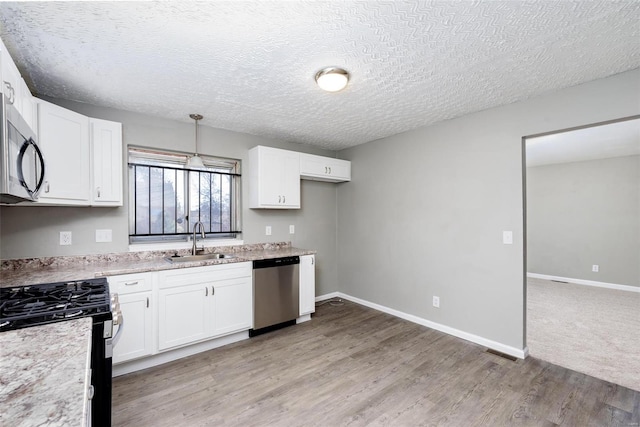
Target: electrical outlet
[(436, 302), (292, 229), (595, 268), (267, 230), (65, 238)]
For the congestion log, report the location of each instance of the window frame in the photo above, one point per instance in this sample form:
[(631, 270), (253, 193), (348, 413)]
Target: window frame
[(175, 160)]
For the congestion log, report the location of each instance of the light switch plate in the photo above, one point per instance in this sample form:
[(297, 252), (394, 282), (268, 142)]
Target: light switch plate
[(267, 230), (103, 236), (507, 237), (292, 229)]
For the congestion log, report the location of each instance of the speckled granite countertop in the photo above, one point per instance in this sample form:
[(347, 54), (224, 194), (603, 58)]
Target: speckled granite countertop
[(58, 269), (44, 374)]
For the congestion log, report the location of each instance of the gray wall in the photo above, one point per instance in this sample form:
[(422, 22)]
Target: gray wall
[(34, 231), (425, 211), (585, 213)]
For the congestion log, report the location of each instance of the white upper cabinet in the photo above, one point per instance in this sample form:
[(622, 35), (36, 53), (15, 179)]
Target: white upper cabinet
[(274, 178), (11, 79), (15, 88), (83, 158), (64, 140), (29, 108), (106, 154), (321, 168)]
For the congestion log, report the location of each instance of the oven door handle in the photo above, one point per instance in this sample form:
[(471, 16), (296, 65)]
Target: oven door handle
[(120, 324)]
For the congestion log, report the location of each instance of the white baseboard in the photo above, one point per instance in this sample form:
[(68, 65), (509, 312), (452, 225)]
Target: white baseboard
[(494, 345), (327, 296), (585, 282), (179, 353)]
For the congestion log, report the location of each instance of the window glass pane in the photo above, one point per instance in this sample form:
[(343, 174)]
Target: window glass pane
[(142, 199), (156, 200), (215, 202), (205, 200), (170, 201), (181, 208), (225, 203), (194, 199)]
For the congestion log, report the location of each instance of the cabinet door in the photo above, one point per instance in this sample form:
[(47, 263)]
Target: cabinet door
[(307, 284), (106, 153), (324, 168), (274, 178), (29, 109), (11, 81), (136, 339), (232, 305), (184, 314), (64, 140)]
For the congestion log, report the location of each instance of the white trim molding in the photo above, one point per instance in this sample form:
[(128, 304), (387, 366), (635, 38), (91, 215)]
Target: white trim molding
[(585, 282), (494, 345)]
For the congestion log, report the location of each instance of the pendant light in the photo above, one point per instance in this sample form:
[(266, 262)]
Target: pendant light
[(195, 162)]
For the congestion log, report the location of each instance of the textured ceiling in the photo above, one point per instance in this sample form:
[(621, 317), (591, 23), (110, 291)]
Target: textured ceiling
[(597, 142), (249, 66)]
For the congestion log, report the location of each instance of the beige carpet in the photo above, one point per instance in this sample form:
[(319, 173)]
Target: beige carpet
[(587, 329)]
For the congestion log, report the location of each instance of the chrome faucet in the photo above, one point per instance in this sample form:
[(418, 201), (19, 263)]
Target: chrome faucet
[(195, 228)]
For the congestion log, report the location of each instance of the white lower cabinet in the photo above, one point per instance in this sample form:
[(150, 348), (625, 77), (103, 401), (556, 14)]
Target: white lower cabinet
[(137, 336), (307, 284), (135, 293), (203, 302)]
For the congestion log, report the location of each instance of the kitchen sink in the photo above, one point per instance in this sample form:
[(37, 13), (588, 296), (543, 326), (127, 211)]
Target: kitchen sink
[(203, 257)]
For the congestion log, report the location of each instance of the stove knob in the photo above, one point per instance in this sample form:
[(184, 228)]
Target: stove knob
[(114, 299), (116, 318)]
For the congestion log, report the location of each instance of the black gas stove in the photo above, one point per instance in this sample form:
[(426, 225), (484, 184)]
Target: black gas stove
[(34, 305)]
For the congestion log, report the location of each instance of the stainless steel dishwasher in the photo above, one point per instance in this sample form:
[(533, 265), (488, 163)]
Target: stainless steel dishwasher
[(276, 290)]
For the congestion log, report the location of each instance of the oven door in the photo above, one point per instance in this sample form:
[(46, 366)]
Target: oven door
[(23, 169)]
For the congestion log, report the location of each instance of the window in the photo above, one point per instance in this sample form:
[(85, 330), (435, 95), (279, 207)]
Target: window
[(166, 199)]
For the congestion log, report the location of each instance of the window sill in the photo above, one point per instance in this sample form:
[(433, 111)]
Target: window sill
[(207, 243)]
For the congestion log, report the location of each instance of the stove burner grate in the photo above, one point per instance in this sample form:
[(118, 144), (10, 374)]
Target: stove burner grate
[(45, 303)]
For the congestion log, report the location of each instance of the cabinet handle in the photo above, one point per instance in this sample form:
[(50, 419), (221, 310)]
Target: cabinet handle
[(312, 261), (284, 199), (131, 283), (147, 302), (279, 199), (206, 291), (213, 291), (326, 169), (48, 187), (98, 189), (329, 170)]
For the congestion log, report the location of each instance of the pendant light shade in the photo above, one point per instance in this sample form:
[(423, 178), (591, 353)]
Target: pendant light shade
[(195, 162)]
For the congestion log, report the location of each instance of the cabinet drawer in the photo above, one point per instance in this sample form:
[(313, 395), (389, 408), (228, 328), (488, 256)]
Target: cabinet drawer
[(207, 274), (130, 283)]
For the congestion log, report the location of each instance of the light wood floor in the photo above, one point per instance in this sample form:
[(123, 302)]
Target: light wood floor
[(351, 365)]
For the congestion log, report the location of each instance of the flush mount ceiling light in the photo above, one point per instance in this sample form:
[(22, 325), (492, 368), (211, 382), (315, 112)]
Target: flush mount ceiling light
[(332, 79), (195, 162)]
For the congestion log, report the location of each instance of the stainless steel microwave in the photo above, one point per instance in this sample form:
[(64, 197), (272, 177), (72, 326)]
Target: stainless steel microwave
[(21, 161)]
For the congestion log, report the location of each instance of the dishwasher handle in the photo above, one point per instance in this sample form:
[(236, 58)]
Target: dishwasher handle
[(276, 262)]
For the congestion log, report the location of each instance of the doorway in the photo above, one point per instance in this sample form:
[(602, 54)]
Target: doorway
[(582, 254)]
